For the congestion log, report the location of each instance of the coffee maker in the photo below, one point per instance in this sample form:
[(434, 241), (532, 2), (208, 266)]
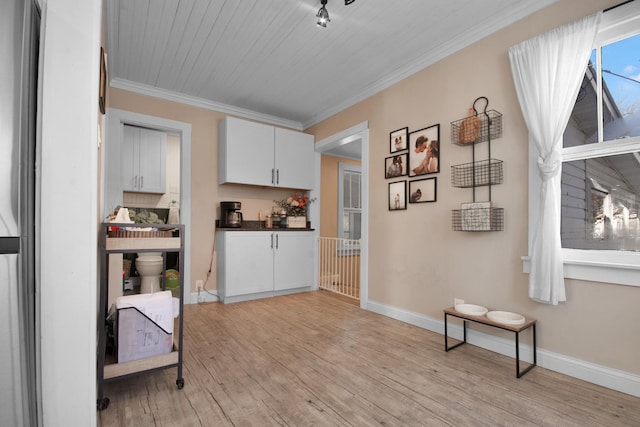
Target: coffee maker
[(230, 215)]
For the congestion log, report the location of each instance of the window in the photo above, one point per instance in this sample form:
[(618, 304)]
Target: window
[(349, 205), (601, 156)]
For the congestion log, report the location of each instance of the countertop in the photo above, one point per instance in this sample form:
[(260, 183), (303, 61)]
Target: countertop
[(257, 226)]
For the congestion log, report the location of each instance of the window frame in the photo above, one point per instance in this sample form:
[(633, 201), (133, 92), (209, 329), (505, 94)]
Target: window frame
[(606, 266), (342, 167)]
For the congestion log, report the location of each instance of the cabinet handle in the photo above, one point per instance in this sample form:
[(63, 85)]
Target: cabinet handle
[(273, 180), (277, 240), (141, 181), (135, 182), (271, 240), (278, 176)]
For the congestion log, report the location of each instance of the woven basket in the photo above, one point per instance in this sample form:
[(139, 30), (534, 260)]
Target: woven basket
[(134, 233)]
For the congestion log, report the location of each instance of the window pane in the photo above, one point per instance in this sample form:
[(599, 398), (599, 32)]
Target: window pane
[(351, 190), (600, 203), (355, 191), (351, 224), (346, 190), (345, 225), (583, 124), (621, 75)]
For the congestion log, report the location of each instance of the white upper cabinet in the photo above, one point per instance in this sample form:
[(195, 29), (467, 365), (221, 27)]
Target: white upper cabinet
[(258, 154), (144, 160), (245, 152), (294, 159)]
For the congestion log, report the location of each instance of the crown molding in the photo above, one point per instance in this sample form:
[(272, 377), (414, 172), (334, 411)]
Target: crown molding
[(206, 104)]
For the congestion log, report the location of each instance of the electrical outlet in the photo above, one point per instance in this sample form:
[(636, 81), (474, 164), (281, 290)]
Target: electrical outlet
[(199, 285), (457, 301)]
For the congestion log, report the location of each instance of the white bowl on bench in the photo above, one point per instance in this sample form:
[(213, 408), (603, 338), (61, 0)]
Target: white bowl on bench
[(506, 317), (471, 309)]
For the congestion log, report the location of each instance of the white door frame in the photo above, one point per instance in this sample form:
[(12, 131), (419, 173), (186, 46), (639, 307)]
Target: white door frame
[(354, 133), (112, 188)]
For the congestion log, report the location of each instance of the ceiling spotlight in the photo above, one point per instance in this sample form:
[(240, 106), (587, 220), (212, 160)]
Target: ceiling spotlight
[(348, 2), (323, 15)]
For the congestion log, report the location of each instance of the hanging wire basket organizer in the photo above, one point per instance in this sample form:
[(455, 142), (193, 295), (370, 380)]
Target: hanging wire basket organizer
[(485, 219), (487, 172), (477, 127)]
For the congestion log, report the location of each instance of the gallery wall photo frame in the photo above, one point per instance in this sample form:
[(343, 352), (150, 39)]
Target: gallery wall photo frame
[(424, 151), (423, 190), (398, 195), (398, 140), (396, 165)]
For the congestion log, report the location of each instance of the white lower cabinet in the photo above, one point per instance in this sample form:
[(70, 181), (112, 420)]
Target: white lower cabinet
[(257, 264)]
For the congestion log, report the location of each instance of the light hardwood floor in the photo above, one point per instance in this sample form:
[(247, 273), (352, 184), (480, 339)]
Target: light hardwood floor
[(313, 359)]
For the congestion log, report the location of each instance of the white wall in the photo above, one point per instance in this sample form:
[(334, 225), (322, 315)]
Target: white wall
[(70, 51)]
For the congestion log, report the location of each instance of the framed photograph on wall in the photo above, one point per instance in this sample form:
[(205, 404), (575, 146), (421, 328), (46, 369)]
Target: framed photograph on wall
[(395, 166), (476, 216), (398, 140), (424, 151), (397, 195), (423, 190)]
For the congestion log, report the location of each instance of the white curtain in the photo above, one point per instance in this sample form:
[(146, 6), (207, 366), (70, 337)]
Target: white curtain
[(547, 72)]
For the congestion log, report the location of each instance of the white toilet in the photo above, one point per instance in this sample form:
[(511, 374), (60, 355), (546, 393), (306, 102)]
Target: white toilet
[(149, 266)]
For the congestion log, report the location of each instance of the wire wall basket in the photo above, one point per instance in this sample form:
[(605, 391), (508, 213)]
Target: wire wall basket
[(477, 219), (476, 174), (479, 127)]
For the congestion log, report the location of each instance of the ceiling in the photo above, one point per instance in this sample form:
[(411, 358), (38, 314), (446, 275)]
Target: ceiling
[(267, 60)]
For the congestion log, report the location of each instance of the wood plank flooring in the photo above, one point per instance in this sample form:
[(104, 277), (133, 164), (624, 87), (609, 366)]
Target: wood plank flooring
[(314, 359)]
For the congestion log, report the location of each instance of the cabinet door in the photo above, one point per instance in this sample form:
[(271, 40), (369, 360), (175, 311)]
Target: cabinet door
[(143, 160), (293, 260), (248, 262), (294, 159), (153, 161), (245, 152), (129, 158)]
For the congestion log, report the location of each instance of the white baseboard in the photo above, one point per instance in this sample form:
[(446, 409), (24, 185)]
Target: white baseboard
[(614, 379)]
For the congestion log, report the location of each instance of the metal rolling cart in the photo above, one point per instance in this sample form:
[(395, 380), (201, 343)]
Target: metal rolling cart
[(167, 238)]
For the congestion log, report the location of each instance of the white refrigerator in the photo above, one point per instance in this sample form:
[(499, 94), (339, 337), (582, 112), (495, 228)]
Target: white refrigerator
[(19, 37)]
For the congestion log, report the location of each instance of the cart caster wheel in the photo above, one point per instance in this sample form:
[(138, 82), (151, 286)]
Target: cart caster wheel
[(103, 403), (180, 383)]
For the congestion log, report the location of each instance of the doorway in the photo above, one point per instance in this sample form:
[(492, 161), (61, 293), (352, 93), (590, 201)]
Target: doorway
[(113, 189), (352, 143)]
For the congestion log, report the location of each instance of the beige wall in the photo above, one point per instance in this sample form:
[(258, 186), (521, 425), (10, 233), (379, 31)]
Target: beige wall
[(417, 263)]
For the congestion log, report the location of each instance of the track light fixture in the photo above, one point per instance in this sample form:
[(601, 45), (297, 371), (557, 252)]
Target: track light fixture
[(323, 15)]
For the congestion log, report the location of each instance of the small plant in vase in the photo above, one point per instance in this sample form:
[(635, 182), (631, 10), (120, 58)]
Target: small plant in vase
[(295, 209)]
